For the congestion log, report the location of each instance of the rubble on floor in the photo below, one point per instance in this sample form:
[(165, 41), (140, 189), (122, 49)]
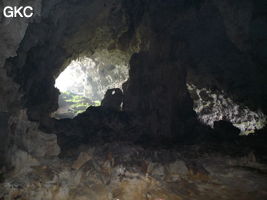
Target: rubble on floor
[(122, 171)]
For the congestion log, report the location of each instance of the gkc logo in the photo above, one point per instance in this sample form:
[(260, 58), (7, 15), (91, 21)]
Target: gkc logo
[(11, 12)]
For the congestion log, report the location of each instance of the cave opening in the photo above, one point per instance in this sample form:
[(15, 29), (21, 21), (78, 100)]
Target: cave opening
[(84, 82), (214, 105)]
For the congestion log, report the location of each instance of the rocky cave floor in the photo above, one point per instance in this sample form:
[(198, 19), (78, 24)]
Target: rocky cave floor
[(118, 170)]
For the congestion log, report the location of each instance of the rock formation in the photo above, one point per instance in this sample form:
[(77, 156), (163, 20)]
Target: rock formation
[(113, 99), (145, 140)]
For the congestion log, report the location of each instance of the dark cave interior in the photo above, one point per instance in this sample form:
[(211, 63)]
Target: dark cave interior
[(174, 99)]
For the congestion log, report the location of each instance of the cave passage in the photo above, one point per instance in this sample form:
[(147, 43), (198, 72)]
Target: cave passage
[(134, 100)]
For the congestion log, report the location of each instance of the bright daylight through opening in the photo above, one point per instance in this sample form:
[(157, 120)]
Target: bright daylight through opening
[(84, 82), (212, 106)]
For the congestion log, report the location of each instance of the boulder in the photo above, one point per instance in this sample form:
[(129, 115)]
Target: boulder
[(81, 160), (226, 130), (113, 99)]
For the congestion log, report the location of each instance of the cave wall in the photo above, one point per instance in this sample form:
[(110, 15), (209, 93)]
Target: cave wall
[(18, 135), (33, 57), (3, 132), (12, 32), (208, 43), (62, 35), (226, 43), (230, 54), (217, 51), (156, 89)]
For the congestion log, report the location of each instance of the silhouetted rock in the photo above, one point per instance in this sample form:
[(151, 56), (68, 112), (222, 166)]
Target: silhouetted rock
[(225, 130), (113, 99)]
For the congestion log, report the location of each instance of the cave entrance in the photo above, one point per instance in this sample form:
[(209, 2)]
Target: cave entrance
[(84, 83), (214, 105)]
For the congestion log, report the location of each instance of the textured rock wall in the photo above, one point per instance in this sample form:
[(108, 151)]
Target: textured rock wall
[(3, 134), (156, 89), (12, 32), (230, 54), (26, 141), (20, 137), (79, 29)]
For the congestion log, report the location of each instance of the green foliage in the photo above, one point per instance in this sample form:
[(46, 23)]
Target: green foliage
[(97, 103), (76, 103)]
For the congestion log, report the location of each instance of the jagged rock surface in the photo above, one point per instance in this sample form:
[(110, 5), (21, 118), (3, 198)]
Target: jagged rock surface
[(26, 137), (126, 172)]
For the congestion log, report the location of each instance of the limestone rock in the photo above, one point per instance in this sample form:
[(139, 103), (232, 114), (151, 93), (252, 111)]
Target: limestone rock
[(226, 130), (158, 171), (26, 135), (21, 160), (12, 31), (177, 170), (113, 99), (81, 160), (3, 134)]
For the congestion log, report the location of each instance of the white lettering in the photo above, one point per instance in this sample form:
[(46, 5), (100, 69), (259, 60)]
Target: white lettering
[(30, 13), (8, 12), (15, 11)]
